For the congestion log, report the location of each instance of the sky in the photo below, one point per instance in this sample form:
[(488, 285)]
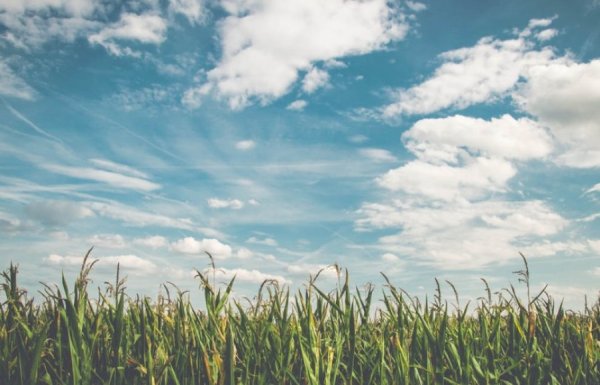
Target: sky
[(419, 139)]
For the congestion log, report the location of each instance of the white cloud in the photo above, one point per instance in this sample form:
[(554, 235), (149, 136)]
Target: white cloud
[(445, 139), (447, 204), (462, 158), (327, 271), (244, 145), (565, 97), (143, 217), (146, 97), (547, 248), (265, 44), (57, 213), (193, 10), (70, 7), (244, 275), (119, 168), (475, 178), (13, 85), (113, 241), (12, 225), (389, 257), (594, 245), (546, 34), (111, 178), (472, 75), (234, 204), (297, 105), (28, 32), (378, 155), (154, 242), (244, 253), (416, 6), (145, 28), (130, 263), (314, 79), (594, 188), (465, 235), (190, 245), (264, 241)]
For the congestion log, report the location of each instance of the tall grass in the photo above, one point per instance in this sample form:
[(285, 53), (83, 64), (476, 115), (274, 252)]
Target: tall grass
[(308, 337)]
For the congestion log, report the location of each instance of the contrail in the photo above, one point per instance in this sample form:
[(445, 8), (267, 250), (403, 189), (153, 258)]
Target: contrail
[(37, 128), (70, 101)]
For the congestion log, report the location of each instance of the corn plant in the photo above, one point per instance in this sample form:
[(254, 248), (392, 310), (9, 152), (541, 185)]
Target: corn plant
[(308, 337)]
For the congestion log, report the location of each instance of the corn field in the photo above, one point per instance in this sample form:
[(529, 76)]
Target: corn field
[(308, 337)]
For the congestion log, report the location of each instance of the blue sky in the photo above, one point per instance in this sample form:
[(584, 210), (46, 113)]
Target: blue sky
[(419, 139)]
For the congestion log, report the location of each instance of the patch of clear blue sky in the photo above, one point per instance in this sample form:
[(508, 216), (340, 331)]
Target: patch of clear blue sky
[(312, 180)]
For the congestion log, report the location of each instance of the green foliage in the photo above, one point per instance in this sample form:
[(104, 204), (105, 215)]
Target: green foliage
[(311, 337)]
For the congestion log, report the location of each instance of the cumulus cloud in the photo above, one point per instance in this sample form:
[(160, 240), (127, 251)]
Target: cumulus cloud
[(245, 275), (447, 203), (130, 263), (461, 158), (111, 178), (565, 97), (266, 44), (234, 204), (314, 79), (326, 271), (473, 179), (12, 85), (546, 34), (461, 236), (146, 28), (478, 74), (55, 213), (191, 245), (448, 139)]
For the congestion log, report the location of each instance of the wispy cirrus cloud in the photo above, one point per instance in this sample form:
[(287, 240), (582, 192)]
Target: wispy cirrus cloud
[(111, 178), (13, 85)]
